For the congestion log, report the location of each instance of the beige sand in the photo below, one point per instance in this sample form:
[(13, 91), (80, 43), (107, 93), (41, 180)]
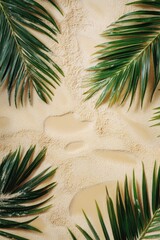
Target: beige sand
[(91, 147)]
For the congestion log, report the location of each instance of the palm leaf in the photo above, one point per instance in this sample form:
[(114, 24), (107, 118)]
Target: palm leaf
[(156, 117), (19, 187), (125, 62), (133, 217), (24, 63)]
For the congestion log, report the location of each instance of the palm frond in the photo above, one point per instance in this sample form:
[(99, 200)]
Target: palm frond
[(156, 117), (133, 216), (25, 64), (19, 186), (125, 62)]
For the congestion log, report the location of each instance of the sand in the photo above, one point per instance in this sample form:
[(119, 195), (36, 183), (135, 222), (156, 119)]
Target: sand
[(92, 148)]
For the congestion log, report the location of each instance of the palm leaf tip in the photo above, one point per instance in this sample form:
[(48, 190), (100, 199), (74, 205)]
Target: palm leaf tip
[(19, 186), (125, 62), (56, 6), (72, 235), (133, 216), (25, 64)]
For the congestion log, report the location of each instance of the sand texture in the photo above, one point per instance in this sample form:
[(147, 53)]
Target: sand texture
[(91, 147)]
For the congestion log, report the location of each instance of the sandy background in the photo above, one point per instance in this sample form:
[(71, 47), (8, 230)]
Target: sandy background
[(91, 147)]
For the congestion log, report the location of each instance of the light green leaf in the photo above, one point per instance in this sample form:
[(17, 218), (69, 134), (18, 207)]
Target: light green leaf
[(125, 62)]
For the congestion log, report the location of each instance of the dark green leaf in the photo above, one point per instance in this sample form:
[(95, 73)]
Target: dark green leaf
[(24, 58), (132, 218), (18, 189)]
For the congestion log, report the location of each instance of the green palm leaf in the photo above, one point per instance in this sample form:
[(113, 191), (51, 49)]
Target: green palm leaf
[(156, 117), (25, 64), (133, 217), (125, 62), (19, 186)]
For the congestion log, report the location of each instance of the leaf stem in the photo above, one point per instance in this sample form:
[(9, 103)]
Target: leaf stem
[(14, 35), (138, 54), (148, 226)]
